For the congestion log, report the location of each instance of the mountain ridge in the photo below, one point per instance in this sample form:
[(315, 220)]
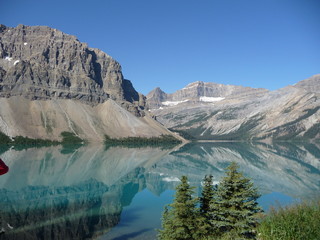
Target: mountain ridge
[(193, 91), (211, 111)]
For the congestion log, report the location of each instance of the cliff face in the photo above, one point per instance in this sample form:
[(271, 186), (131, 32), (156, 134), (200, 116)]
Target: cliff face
[(213, 111), (43, 63), (156, 97), (50, 82)]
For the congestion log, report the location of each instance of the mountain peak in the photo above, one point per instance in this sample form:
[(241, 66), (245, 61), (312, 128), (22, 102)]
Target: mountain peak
[(39, 62), (200, 91), (211, 111), (50, 83), (311, 84)]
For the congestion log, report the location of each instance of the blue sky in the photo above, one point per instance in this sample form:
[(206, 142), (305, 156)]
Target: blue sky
[(170, 43)]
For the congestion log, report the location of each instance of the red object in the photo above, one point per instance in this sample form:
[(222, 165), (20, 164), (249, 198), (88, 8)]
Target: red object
[(3, 167)]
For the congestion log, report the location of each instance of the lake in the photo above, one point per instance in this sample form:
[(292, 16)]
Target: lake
[(99, 192)]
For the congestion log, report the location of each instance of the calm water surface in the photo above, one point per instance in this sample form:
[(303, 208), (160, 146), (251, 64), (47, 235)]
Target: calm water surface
[(94, 192)]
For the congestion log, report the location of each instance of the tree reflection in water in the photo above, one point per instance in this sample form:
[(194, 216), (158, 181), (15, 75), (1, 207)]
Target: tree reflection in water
[(51, 193)]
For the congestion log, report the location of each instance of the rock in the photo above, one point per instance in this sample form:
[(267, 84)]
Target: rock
[(156, 97), (211, 111), (51, 83), (311, 84), (199, 92), (44, 63)]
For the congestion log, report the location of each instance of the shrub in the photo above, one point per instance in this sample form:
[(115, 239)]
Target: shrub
[(298, 222)]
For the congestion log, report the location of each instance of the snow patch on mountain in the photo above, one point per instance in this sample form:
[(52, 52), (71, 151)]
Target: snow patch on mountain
[(211, 99), (8, 58), (173, 103)]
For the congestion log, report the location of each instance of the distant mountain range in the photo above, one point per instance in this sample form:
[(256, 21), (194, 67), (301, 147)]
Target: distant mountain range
[(51, 83), (211, 111)]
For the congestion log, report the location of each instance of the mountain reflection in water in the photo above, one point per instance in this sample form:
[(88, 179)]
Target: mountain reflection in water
[(51, 193)]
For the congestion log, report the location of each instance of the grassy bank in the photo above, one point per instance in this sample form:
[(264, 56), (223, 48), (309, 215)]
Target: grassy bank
[(162, 141), (68, 139), (298, 222), (20, 142)]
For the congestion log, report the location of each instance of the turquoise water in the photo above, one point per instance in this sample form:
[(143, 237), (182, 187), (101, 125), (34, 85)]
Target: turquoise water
[(117, 193)]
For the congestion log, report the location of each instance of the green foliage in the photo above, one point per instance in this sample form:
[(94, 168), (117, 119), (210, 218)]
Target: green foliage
[(230, 211), (30, 141), (70, 138), (70, 148), (70, 142), (227, 211), (20, 142), (179, 218), (296, 222), (234, 209), (4, 148), (163, 141), (207, 196), (183, 134), (4, 139)]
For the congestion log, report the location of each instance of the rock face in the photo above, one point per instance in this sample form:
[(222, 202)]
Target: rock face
[(50, 82), (200, 92), (311, 84), (211, 111), (43, 63)]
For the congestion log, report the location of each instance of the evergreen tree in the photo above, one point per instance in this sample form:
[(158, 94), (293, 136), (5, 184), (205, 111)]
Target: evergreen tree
[(234, 208), (207, 195), (179, 220), (227, 211)]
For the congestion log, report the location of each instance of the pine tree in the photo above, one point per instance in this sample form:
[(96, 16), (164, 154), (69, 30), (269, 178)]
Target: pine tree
[(207, 195), (179, 220), (234, 208)]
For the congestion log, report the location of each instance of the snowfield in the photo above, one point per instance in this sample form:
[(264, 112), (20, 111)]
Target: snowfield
[(211, 99), (173, 103)]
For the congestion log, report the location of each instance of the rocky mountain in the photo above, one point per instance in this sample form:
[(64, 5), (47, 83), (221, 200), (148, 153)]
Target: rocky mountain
[(311, 84), (199, 92), (212, 111), (50, 82)]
